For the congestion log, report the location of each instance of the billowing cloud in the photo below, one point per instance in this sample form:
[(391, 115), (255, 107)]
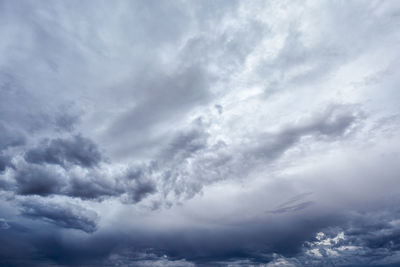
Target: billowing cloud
[(76, 151), (38, 181), (198, 133)]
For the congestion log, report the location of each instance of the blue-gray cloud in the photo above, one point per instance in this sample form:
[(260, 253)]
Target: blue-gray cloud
[(66, 215), (64, 152), (199, 133)]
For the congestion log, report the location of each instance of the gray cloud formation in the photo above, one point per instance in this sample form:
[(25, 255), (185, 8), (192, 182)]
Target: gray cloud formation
[(332, 123), (186, 133), (75, 151), (66, 215), (204, 163), (38, 181), (5, 161), (370, 239), (10, 137), (73, 166), (31, 179)]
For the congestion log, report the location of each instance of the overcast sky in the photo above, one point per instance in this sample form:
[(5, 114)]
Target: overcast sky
[(199, 133)]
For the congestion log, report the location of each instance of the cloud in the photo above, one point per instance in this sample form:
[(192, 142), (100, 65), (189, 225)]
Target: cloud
[(141, 133), (66, 215), (49, 176), (333, 122), (364, 240), (181, 167), (188, 172), (296, 199), (144, 259), (167, 97), (10, 137), (31, 179), (3, 224), (184, 144), (139, 186), (5, 162), (293, 208), (34, 180), (75, 151), (132, 185)]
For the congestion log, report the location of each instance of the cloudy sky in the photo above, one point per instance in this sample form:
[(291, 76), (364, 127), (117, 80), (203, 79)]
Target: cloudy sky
[(199, 133)]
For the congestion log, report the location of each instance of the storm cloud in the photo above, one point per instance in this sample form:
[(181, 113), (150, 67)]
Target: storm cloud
[(76, 151), (65, 215), (199, 133)]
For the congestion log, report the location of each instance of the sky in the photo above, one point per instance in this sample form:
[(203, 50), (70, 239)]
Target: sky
[(199, 133)]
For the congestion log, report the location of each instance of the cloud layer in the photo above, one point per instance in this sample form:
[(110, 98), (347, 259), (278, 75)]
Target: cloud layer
[(199, 133)]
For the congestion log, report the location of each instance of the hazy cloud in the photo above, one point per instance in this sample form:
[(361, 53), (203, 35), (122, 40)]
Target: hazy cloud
[(10, 137), (3, 224), (66, 215)]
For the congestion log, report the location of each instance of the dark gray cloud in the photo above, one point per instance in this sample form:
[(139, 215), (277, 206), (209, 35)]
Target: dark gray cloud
[(281, 236), (192, 133), (197, 246), (74, 151), (94, 186), (132, 185), (5, 161), (364, 239), (73, 166), (139, 186), (34, 180), (66, 215)]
